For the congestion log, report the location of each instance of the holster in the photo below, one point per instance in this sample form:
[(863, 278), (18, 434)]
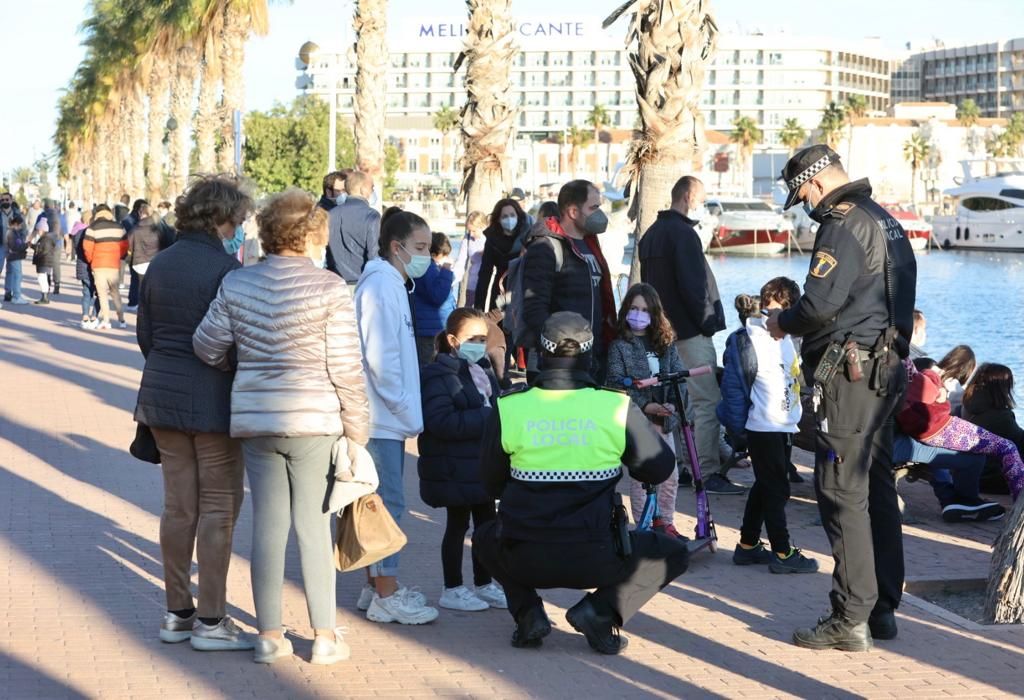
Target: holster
[(620, 532), (883, 355)]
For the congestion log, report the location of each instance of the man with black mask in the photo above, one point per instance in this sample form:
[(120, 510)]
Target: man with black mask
[(565, 270)]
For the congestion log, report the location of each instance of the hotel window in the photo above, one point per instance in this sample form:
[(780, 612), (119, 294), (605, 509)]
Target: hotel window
[(416, 60), (396, 101), (584, 58), (435, 165), (536, 58), (558, 58), (398, 60), (412, 165), (558, 78)]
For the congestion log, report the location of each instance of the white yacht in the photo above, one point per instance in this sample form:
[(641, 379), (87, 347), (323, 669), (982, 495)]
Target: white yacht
[(989, 207)]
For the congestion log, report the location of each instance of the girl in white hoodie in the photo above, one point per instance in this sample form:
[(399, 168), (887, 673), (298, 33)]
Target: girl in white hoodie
[(386, 332)]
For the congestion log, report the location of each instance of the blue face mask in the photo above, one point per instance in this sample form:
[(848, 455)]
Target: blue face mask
[(472, 352), (233, 245), (808, 208), (417, 265)]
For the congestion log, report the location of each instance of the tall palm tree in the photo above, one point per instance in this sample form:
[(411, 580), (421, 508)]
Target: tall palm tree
[(968, 114), (577, 139), (598, 119), (792, 135), (746, 134), (915, 151), (831, 124), (370, 24), (671, 43), (446, 120), (240, 19), (488, 117), (856, 108), (183, 84), (207, 118), (158, 97)]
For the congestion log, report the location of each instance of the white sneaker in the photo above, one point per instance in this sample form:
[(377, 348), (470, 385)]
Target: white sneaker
[(103, 326), (400, 607), (368, 591), (493, 595), (20, 301), (461, 598), (122, 324), (89, 324), (267, 651), (224, 636), (327, 652)]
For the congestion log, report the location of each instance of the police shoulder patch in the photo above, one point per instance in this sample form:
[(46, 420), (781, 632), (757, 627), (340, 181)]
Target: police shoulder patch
[(516, 389), (822, 265), (841, 210)]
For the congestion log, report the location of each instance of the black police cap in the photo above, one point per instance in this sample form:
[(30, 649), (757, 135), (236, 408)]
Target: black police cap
[(803, 166), (566, 325)]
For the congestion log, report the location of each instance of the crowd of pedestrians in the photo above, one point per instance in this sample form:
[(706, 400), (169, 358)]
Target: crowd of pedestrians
[(348, 332)]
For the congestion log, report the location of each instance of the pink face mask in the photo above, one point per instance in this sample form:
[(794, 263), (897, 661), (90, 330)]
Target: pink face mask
[(638, 320)]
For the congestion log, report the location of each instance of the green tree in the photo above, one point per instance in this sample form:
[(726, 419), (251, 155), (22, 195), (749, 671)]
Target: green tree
[(1014, 133), (746, 134), (286, 146), (445, 120), (915, 151), (968, 113), (598, 119), (831, 125), (856, 107), (578, 138), (792, 134), (392, 161)]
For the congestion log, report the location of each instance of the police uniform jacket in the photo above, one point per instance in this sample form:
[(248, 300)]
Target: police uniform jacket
[(568, 510), (844, 297)]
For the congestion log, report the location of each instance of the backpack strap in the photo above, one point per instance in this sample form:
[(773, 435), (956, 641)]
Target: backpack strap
[(556, 248)]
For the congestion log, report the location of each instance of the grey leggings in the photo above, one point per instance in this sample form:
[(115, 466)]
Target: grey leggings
[(288, 478)]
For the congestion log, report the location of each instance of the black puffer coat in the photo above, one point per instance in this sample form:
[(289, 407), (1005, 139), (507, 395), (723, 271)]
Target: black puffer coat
[(454, 416), (44, 252), (500, 249), (179, 391)]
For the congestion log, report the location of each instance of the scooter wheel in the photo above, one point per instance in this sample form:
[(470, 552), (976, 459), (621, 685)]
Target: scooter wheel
[(713, 546)]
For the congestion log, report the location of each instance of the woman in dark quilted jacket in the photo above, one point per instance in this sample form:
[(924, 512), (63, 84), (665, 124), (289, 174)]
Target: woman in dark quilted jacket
[(44, 257), (459, 392)]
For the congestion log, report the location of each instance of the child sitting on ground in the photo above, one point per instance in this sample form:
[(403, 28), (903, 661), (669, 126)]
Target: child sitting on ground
[(925, 416), (761, 403), (643, 348)]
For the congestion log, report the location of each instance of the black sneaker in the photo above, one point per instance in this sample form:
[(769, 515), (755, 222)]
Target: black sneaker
[(531, 629), (755, 555), (835, 632), (882, 624), (976, 509), (795, 563), (794, 475), (721, 486), (8, 297), (685, 478), (600, 630)]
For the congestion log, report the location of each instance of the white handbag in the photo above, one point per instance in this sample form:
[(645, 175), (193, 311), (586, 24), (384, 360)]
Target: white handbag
[(351, 481)]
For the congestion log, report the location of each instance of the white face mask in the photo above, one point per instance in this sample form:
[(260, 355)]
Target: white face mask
[(699, 214), (374, 199)]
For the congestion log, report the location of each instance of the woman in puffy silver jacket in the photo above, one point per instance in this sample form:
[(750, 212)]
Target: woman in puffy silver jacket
[(298, 387)]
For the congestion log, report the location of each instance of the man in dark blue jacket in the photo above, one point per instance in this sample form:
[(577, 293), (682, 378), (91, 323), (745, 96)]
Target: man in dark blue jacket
[(672, 261), (354, 229)]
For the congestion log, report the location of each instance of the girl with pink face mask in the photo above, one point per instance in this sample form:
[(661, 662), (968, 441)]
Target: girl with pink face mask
[(644, 347)]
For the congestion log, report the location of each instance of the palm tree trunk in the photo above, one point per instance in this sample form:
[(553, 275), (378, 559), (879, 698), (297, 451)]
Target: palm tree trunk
[(913, 186), (236, 31), (371, 85), (182, 90), (136, 110), (207, 117), (159, 93), (102, 161), (1004, 600), (675, 41), (488, 119)]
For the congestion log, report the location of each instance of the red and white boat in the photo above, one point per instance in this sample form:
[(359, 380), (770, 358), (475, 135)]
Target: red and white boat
[(917, 229), (747, 227)]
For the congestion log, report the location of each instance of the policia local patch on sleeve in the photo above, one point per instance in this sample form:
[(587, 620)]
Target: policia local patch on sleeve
[(822, 265)]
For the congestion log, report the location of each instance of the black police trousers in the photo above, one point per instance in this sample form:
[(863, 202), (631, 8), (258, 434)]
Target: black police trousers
[(623, 585), (857, 493)]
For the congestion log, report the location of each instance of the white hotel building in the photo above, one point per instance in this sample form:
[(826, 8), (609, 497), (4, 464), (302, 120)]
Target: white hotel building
[(568, 65)]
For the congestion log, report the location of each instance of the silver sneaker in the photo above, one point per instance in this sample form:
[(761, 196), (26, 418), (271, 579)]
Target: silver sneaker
[(366, 596), (326, 651), (176, 629), (224, 636), (267, 651)]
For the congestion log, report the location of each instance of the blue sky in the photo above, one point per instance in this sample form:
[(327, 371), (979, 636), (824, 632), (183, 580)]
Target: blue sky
[(40, 48)]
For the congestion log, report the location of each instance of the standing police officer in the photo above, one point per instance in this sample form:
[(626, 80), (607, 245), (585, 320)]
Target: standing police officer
[(856, 319), (553, 453)]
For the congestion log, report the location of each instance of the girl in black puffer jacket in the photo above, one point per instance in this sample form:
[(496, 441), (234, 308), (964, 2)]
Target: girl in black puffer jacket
[(44, 257), (459, 392)]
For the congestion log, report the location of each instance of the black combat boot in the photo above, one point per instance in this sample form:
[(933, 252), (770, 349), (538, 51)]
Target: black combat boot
[(600, 630), (44, 299), (882, 624), (531, 628), (835, 632)]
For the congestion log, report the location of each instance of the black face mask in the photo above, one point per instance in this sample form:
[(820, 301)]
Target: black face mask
[(5, 205)]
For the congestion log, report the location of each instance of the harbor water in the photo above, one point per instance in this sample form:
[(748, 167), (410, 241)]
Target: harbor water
[(974, 298)]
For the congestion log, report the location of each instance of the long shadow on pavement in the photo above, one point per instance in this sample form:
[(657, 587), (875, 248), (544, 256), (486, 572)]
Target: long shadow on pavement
[(23, 682)]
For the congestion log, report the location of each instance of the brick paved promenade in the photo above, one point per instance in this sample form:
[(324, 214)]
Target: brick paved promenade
[(82, 594)]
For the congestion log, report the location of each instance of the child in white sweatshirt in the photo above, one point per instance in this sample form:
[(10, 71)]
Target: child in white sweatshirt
[(763, 376)]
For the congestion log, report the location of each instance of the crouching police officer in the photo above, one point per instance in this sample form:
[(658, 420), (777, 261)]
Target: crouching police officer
[(856, 319), (553, 454)]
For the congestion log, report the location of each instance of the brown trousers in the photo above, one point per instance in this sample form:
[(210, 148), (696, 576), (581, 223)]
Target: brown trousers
[(202, 498)]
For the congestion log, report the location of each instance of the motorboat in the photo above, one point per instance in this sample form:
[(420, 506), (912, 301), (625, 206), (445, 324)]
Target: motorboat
[(989, 207), (917, 229), (747, 227)]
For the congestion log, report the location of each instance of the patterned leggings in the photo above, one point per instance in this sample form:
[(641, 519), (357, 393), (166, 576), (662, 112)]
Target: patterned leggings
[(963, 436), (667, 491)]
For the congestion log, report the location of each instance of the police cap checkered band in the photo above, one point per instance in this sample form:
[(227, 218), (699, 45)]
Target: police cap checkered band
[(811, 171), (551, 346)]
